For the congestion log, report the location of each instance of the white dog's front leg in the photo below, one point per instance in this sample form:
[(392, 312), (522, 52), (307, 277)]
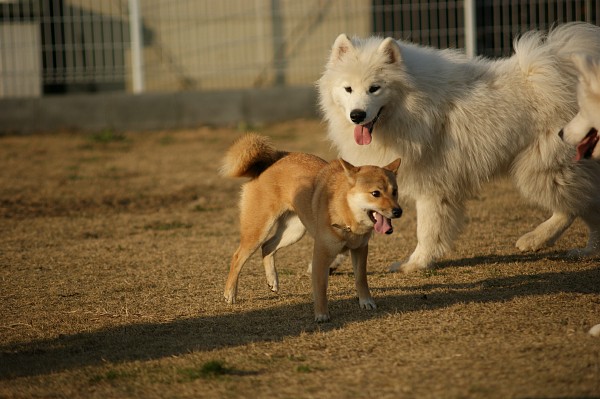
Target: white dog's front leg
[(546, 233), (439, 221)]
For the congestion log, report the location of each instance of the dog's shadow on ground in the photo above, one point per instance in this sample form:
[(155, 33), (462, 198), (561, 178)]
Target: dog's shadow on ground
[(148, 341)]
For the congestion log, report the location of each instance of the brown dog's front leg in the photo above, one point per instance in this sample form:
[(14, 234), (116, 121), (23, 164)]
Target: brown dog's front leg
[(322, 258), (359, 264)]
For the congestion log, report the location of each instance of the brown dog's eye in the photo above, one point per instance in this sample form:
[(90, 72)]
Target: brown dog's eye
[(376, 194), (395, 192)]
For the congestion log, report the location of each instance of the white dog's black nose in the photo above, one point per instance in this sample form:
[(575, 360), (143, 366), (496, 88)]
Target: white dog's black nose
[(397, 212), (357, 115)]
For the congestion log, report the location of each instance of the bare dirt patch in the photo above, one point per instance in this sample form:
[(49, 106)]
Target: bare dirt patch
[(114, 251)]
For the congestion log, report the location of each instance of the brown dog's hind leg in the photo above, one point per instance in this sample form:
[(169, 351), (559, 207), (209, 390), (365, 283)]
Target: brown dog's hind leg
[(255, 225), (288, 231)]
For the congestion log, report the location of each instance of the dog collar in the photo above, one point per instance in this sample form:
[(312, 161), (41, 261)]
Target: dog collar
[(347, 229)]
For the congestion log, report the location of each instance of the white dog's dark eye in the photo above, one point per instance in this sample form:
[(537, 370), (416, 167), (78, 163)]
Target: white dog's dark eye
[(374, 88), (348, 89), (376, 194)]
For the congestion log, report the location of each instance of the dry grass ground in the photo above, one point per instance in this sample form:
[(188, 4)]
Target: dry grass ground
[(114, 251)]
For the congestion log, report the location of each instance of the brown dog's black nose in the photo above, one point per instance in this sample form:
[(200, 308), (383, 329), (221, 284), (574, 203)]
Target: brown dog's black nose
[(561, 133), (397, 212)]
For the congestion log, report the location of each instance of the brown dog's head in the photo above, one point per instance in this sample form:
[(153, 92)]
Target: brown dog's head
[(373, 194)]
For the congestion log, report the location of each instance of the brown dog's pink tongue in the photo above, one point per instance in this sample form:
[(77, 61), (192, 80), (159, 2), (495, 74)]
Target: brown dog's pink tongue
[(362, 135), (383, 225)]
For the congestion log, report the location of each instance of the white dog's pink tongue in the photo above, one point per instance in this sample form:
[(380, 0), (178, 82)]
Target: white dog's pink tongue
[(362, 135), (586, 145), (383, 225)]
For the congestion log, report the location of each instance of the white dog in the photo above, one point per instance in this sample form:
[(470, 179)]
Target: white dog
[(582, 131), (457, 123)]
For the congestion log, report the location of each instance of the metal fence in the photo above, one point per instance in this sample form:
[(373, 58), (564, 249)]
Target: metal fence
[(65, 46)]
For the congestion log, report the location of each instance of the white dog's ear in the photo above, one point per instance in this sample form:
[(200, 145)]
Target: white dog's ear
[(391, 49), (341, 46), (585, 64), (589, 70)]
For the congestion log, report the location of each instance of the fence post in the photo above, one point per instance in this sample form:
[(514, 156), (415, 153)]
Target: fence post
[(470, 29), (588, 11), (279, 62), (137, 45)]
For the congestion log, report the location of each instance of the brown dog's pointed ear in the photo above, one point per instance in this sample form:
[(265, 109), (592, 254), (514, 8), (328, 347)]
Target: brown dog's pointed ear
[(391, 49), (341, 46), (393, 167), (349, 169)]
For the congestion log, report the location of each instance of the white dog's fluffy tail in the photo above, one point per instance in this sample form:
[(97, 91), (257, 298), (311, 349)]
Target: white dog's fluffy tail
[(545, 59), (249, 156), (536, 49)]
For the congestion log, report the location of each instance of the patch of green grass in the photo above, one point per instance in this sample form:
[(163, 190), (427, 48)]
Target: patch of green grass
[(304, 368), (210, 369), (244, 126), (73, 172), (111, 376), (166, 226), (107, 136), (166, 140), (74, 177), (430, 272)]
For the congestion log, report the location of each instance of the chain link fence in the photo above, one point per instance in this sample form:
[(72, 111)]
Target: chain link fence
[(73, 46)]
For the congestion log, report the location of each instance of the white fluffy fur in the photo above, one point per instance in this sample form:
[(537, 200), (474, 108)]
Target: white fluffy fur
[(588, 99), (457, 123)]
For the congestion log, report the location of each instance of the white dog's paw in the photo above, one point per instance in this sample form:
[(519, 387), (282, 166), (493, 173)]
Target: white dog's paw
[(407, 267), (367, 303), (322, 318), (595, 331), (530, 242)]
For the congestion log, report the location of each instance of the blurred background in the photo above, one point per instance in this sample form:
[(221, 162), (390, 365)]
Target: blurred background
[(185, 58)]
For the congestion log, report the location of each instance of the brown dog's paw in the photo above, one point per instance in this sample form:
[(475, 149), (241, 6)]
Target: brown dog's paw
[(322, 318), (367, 303), (229, 298)]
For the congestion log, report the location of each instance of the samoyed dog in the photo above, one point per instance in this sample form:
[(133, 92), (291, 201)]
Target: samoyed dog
[(582, 131), (458, 123)]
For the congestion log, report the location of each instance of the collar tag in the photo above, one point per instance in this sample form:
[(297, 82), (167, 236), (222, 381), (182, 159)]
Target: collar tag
[(343, 228)]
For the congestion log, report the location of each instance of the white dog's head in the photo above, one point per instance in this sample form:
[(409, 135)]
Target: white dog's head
[(356, 80), (582, 131)]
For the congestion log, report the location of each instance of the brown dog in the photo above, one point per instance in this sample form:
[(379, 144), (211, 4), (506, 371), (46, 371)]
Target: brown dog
[(339, 204)]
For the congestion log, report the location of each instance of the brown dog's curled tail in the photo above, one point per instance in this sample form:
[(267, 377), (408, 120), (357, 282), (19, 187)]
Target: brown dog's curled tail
[(249, 156)]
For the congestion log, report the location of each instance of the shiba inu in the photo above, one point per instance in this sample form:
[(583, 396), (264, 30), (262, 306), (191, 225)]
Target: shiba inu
[(288, 193), (458, 123), (582, 131)]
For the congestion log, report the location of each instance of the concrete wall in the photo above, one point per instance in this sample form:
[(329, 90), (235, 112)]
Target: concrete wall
[(235, 44), (20, 63), (156, 111)]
